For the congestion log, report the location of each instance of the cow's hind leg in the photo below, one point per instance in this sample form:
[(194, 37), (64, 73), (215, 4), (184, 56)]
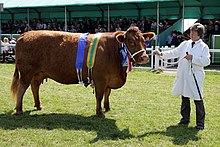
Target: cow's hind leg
[(23, 84), (35, 85), (106, 100)]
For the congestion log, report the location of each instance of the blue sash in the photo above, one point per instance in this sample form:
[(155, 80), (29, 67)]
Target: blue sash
[(81, 50), (124, 54)]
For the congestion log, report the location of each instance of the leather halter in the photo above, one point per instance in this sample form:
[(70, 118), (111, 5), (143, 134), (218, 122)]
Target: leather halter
[(129, 53)]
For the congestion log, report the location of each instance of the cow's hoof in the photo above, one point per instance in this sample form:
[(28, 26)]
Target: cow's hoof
[(107, 109), (38, 107), (19, 113), (100, 114)]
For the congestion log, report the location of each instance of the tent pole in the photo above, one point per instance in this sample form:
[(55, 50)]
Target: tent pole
[(65, 20), (108, 19), (158, 17), (28, 18), (1, 10), (183, 16), (0, 30)]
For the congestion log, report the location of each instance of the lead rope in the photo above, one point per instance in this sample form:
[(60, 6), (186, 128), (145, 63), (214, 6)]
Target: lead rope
[(171, 63)]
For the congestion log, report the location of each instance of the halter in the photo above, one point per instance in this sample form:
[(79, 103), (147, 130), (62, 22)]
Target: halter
[(129, 53)]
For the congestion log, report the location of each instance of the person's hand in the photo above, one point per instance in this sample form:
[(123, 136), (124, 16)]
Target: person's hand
[(189, 57), (156, 52)]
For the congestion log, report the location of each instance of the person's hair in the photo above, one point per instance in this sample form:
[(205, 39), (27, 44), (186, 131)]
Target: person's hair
[(199, 28)]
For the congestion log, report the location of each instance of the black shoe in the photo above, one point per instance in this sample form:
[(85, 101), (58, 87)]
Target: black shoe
[(183, 122), (199, 127)]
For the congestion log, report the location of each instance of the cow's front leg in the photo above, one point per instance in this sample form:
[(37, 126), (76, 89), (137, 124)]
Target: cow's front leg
[(99, 98), (106, 100), (99, 92)]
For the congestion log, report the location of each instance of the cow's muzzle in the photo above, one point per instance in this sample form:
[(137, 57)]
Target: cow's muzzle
[(143, 57)]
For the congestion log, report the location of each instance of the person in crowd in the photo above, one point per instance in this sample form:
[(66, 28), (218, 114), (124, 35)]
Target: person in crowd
[(175, 40), (153, 25), (72, 29), (169, 39), (141, 27), (165, 24), (133, 23), (112, 28), (118, 28), (194, 56), (216, 29), (12, 41), (5, 43), (99, 29)]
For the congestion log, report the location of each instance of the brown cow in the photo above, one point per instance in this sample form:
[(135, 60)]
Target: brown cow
[(52, 54)]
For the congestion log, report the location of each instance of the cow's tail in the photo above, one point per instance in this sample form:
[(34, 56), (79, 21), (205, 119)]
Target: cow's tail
[(14, 85)]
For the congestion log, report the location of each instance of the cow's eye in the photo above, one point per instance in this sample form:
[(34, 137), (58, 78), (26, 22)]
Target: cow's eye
[(132, 43)]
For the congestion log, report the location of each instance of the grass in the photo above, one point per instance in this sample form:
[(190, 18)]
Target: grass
[(143, 113)]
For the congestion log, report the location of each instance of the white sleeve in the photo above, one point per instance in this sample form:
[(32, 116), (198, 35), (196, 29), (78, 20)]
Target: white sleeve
[(175, 53), (203, 59)]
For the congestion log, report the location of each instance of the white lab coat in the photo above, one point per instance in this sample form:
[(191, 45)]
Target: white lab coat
[(184, 83)]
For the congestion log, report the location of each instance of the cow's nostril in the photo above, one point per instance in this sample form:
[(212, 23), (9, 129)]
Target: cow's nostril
[(145, 58)]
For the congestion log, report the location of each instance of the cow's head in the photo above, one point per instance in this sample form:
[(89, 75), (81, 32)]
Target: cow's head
[(134, 41)]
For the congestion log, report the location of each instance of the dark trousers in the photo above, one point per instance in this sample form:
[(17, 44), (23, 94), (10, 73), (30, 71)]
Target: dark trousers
[(200, 111)]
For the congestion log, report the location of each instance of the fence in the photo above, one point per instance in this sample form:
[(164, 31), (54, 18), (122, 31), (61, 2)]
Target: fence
[(158, 63)]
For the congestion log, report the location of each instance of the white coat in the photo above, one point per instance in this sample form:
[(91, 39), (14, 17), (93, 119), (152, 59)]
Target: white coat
[(184, 83)]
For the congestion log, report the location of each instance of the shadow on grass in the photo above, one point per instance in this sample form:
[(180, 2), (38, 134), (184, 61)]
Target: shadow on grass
[(105, 128), (181, 135)]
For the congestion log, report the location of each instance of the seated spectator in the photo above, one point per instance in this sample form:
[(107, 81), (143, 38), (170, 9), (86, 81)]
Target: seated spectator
[(175, 41), (165, 24), (142, 26), (99, 29), (5, 43), (118, 28), (216, 29), (13, 41), (72, 29), (153, 25), (169, 39), (133, 23)]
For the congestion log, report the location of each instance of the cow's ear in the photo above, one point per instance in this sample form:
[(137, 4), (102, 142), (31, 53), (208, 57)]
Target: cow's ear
[(120, 38), (148, 36)]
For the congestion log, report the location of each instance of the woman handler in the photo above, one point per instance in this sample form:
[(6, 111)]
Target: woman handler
[(194, 56)]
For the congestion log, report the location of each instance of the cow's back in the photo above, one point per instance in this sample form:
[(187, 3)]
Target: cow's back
[(49, 52)]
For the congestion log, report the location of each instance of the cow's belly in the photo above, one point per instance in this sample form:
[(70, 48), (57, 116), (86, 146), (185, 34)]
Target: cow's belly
[(64, 80), (63, 76), (117, 81)]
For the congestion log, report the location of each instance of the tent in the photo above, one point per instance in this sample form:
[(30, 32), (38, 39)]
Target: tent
[(169, 9), (108, 9)]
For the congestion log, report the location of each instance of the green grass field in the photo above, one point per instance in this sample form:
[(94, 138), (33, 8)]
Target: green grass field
[(143, 113)]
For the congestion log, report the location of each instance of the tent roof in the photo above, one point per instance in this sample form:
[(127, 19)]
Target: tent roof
[(51, 3), (170, 9), (46, 3)]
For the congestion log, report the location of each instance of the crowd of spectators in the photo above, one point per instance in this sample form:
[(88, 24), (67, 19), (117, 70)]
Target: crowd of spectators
[(82, 25), (212, 28)]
